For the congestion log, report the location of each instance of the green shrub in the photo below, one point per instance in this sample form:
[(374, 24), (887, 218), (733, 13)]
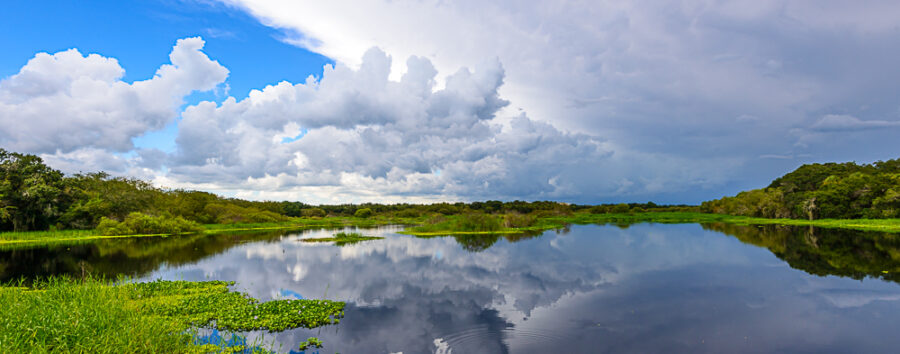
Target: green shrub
[(408, 213), (313, 212), (519, 220), (111, 227), (142, 224), (363, 213), (620, 208), (477, 222)]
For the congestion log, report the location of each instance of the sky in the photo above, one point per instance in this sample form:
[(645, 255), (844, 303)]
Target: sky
[(424, 101)]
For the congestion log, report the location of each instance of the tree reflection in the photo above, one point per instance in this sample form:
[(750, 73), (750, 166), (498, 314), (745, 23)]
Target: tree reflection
[(818, 251)]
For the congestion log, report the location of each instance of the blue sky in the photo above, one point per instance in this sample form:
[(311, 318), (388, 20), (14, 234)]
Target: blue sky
[(139, 34), (675, 101)]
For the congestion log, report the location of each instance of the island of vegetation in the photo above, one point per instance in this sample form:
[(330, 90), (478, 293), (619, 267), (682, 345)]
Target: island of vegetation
[(343, 238)]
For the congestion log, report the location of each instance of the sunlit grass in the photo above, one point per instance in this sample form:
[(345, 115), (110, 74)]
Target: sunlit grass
[(343, 238), (93, 316)]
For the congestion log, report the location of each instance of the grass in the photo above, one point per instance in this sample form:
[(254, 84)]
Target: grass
[(11, 239), (883, 225), (65, 315), (468, 224), (343, 238), (458, 225)]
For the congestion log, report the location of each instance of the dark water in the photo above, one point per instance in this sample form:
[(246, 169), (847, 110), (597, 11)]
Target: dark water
[(589, 289)]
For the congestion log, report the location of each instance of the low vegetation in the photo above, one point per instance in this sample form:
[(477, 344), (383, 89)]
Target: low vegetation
[(343, 238), (311, 342), (142, 224), (90, 315)]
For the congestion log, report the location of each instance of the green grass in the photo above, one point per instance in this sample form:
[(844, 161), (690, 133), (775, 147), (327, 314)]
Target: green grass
[(13, 239), (883, 225), (343, 238), (65, 315), (452, 225), (467, 224)]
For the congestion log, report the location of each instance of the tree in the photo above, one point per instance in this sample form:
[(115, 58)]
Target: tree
[(32, 195), (363, 213)]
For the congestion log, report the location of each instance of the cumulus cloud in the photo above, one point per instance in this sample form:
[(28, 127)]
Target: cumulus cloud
[(654, 80), (68, 101), (360, 135)]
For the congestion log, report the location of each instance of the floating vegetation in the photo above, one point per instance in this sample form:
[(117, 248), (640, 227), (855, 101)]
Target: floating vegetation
[(65, 315), (343, 238), (310, 342)]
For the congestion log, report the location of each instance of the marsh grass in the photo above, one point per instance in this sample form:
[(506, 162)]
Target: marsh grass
[(92, 315), (883, 225), (14, 240), (343, 238)]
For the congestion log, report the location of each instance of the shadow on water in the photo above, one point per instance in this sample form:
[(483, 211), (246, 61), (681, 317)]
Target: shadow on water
[(822, 252), (110, 258)]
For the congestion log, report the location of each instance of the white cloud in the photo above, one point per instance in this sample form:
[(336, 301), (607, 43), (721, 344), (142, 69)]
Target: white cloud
[(656, 80), (369, 138), (67, 102), (842, 123)]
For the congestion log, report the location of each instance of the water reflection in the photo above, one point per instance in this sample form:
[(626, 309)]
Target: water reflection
[(644, 288), (846, 253)]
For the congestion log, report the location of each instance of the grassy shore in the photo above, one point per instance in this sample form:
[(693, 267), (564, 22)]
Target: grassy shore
[(883, 225), (453, 226), (469, 225), (11, 239), (94, 316)]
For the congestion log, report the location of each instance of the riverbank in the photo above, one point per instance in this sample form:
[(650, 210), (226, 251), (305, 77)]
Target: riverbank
[(459, 225), (12, 239)]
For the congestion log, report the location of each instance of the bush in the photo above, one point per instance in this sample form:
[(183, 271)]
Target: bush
[(518, 220), (313, 212), (620, 208), (408, 213), (477, 222), (363, 213), (142, 224), (229, 214)]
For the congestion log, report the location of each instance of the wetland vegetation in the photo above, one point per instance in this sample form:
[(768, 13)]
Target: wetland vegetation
[(92, 315), (343, 238)]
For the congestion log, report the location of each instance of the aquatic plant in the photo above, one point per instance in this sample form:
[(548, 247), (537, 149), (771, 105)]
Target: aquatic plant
[(91, 315), (310, 342), (343, 238)]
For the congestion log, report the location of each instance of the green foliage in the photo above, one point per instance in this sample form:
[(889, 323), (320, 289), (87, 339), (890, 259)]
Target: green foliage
[(314, 212), (32, 195), (227, 213), (516, 220), (822, 191), (142, 224), (363, 213), (63, 315), (310, 342), (343, 238)]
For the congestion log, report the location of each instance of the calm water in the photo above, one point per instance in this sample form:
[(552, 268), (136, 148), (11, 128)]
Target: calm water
[(589, 289)]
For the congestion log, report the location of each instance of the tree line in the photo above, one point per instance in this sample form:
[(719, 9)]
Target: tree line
[(34, 196), (822, 191)]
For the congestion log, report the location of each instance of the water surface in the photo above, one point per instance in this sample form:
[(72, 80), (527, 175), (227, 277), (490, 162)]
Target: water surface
[(643, 288)]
